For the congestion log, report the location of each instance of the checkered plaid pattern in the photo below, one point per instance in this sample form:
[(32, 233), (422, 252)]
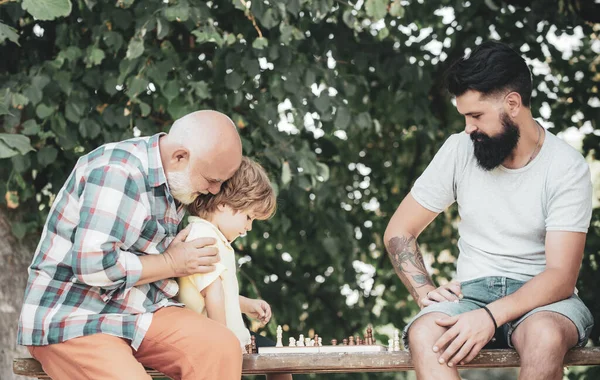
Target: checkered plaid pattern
[(114, 207)]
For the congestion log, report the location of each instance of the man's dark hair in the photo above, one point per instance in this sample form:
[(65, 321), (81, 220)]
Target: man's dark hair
[(491, 69)]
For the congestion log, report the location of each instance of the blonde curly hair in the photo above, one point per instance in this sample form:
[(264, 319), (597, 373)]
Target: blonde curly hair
[(249, 189)]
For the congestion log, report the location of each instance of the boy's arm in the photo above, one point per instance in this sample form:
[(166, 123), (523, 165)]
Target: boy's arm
[(214, 300)]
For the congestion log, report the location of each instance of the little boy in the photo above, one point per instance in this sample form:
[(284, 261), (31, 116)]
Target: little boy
[(246, 196)]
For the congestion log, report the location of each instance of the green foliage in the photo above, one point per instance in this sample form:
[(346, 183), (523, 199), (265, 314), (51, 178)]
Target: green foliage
[(342, 104)]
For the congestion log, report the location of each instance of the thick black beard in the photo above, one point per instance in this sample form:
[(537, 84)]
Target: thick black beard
[(490, 152)]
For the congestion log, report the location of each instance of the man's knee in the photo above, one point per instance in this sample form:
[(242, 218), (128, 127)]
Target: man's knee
[(424, 331), (545, 333)]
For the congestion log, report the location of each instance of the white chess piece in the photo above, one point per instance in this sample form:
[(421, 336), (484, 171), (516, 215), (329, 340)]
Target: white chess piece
[(279, 337), (320, 342), (300, 341), (390, 345), (396, 341), (309, 342), (292, 341)]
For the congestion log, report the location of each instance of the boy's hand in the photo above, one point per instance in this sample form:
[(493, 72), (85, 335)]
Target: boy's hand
[(257, 309)]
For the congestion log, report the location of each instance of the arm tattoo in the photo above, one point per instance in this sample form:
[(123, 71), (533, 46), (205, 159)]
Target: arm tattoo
[(408, 263)]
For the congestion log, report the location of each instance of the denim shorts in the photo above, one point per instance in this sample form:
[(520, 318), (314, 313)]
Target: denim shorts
[(485, 290)]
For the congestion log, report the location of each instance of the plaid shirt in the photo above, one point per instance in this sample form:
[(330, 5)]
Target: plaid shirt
[(114, 207)]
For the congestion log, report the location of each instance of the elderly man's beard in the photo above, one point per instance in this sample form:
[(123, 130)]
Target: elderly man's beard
[(181, 187), (490, 152)]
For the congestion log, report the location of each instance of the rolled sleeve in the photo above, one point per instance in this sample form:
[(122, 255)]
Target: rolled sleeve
[(111, 219)]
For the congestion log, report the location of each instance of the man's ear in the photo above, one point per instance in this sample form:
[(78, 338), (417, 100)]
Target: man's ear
[(180, 159), (513, 104)]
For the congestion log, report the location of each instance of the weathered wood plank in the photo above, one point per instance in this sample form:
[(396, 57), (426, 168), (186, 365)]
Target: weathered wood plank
[(350, 362)]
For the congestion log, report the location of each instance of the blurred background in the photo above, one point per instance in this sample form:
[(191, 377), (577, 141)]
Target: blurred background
[(341, 101)]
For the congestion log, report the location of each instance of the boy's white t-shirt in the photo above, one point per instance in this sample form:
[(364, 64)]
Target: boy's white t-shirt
[(191, 286), (505, 213)]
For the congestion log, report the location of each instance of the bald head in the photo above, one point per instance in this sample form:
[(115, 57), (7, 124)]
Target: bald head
[(203, 146)]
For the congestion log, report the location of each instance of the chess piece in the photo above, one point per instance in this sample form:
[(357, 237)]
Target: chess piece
[(292, 341), (345, 341), (357, 340), (351, 341), (390, 345), (334, 342), (279, 337), (370, 335), (248, 348), (253, 344), (396, 341), (320, 343), (366, 339), (300, 341), (309, 342), (316, 339)]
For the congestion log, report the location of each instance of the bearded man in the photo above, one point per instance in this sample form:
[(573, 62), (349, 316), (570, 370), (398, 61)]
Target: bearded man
[(99, 299), (525, 199)]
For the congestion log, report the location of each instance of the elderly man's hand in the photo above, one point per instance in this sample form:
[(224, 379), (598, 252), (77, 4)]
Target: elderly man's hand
[(195, 256)]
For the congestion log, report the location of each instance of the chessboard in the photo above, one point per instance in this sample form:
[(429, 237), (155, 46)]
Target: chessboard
[(321, 349), (302, 345)]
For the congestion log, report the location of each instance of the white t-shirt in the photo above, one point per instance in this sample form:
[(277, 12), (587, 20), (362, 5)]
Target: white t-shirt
[(191, 286), (505, 213)]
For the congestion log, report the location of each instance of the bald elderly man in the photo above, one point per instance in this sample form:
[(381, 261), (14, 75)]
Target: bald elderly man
[(99, 299)]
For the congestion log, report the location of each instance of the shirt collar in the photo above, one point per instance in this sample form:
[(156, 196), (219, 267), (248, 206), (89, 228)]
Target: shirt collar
[(156, 171), (196, 219)]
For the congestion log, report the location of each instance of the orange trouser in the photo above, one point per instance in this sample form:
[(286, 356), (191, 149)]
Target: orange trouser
[(180, 343)]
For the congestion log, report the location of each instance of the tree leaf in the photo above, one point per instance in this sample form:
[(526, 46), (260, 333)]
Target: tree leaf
[(376, 9), (89, 128), (342, 118), (43, 111), (19, 144), (286, 173), (94, 57), (233, 80), (137, 85), (396, 9), (145, 109), (46, 156), (171, 90), (47, 9), (31, 127), (322, 103), (135, 48), (260, 43), (201, 89), (178, 12), (363, 120), (10, 33), (19, 100)]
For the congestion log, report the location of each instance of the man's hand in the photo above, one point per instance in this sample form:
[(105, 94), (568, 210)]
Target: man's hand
[(467, 334), (257, 309), (196, 256), (448, 292)]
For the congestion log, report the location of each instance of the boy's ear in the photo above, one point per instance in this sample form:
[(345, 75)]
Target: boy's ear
[(221, 207)]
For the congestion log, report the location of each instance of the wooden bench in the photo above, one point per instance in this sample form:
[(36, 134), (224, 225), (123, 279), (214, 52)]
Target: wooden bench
[(350, 362)]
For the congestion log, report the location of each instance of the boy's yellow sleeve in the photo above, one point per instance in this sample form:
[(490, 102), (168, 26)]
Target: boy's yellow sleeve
[(202, 280)]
